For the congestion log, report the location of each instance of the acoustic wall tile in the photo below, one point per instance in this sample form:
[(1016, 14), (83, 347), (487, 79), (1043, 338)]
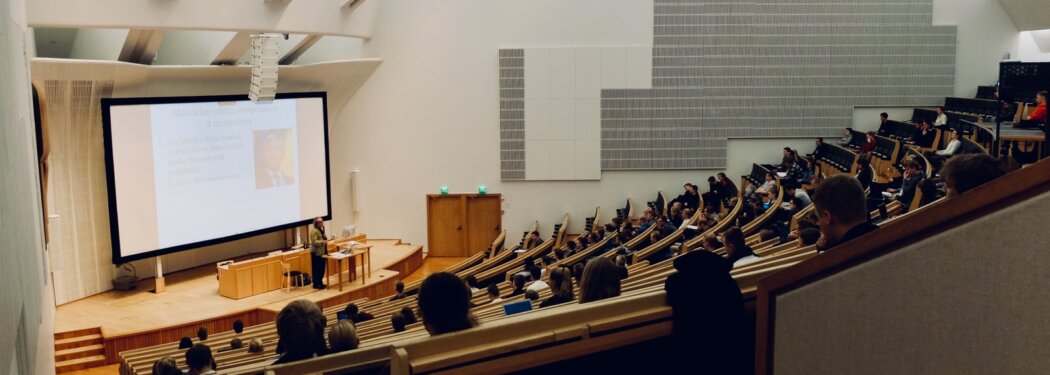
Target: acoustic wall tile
[(588, 124), (562, 119), (537, 160), (561, 155), (537, 119), (537, 73), (614, 67), (562, 73), (588, 72), (588, 160)]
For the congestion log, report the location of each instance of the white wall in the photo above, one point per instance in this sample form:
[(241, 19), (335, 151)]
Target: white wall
[(27, 311), (332, 48), (184, 47), (985, 32), (98, 44), (1028, 48)]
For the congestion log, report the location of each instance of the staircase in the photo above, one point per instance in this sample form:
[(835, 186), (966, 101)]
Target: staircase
[(79, 349)]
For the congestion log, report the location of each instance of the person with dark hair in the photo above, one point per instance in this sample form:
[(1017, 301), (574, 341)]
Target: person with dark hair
[(238, 326), (577, 272), (166, 366), (397, 321), (255, 346), (570, 249), (532, 295), (472, 282), (342, 337), (965, 172), (793, 190), (728, 191), (519, 285), (865, 175), (410, 317), (690, 198), (1039, 113), (925, 136), (869, 144), (400, 288), (300, 331), (819, 150), (768, 185), (841, 211), (713, 195), (711, 244), (913, 174), (185, 343), (199, 360), (202, 333), (444, 303), (546, 262), (356, 316), (236, 343), (787, 159), (537, 281), (561, 288), (738, 253), (601, 280), (709, 321), (847, 137), (954, 147), (533, 240), (493, 292), (621, 263), (942, 118), (318, 249), (808, 236)]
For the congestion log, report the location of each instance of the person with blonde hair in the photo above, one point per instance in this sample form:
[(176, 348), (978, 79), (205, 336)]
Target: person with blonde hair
[(342, 337)]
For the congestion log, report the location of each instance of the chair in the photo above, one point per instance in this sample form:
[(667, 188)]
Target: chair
[(286, 282)]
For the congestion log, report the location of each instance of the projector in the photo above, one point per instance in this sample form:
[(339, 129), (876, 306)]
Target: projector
[(264, 67)]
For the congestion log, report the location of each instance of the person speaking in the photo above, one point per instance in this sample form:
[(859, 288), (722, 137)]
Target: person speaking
[(318, 249)]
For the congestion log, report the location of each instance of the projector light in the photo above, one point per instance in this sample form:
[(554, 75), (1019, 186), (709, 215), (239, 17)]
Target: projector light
[(264, 67)]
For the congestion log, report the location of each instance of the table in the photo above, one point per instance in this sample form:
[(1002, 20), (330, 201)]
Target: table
[(347, 252), (259, 275)]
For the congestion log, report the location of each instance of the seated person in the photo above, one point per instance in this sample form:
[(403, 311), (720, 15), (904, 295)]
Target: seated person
[(352, 313), (847, 137), (537, 281), (648, 218), (675, 216), (819, 150), (601, 280), (397, 322), (185, 343), (238, 326), (864, 173), (1039, 113), (690, 198), (444, 303), (342, 337), (796, 191), (621, 262), (493, 292), (870, 143), (199, 360), (769, 184), (712, 243), (965, 172), (713, 196), (883, 117), (166, 366), (841, 211), (519, 285), (913, 174), (255, 345), (925, 136), (561, 288), (942, 118), (954, 147), (738, 253), (300, 331), (808, 236), (400, 288), (410, 317), (532, 295), (728, 192)]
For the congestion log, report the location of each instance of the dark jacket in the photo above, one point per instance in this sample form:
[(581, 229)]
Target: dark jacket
[(688, 200), (554, 300), (908, 187), (856, 231)]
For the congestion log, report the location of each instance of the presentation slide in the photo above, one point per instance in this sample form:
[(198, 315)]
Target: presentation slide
[(195, 171)]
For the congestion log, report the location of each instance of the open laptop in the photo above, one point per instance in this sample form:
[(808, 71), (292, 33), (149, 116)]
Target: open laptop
[(517, 307)]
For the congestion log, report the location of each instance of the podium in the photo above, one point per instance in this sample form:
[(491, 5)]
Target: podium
[(260, 275)]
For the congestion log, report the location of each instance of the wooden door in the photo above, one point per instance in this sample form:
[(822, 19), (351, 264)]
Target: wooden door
[(447, 226), (484, 221)]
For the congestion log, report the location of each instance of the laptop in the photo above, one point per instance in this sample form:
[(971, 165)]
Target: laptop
[(340, 315), (517, 307)]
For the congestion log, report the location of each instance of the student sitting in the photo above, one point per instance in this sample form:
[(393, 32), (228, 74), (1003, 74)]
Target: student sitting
[(400, 288), (537, 281), (965, 172), (601, 280), (519, 285), (397, 321), (166, 366), (912, 176), (847, 137), (621, 263), (410, 317), (238, 326), (808, 236), (300, 331), (493, 292), (255, 346), (711, 244), (738, 252), (728, 192), (768, 185), (869, 144), (355, 316), (199, 360), (532, 295), (444, 303), (472, 282), (185, 343), (342, 337), (561, 288), (841, 211)]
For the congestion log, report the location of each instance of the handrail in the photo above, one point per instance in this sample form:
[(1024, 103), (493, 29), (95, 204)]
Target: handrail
[(766, 216), (722, 225), (560, 241), (951, 213)]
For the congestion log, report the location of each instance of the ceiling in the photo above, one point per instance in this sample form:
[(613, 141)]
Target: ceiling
[(1028, 15)]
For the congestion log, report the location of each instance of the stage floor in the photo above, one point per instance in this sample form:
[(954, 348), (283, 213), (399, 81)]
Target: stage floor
[(193, 295)]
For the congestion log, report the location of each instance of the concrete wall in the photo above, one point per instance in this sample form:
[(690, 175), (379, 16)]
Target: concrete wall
[(27, 311)]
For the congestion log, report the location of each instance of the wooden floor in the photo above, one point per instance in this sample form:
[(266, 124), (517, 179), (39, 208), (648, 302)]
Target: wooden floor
[(432, 265), (193, 295)]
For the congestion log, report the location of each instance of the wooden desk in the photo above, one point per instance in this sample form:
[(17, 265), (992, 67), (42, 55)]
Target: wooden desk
[(260, 275), (363, 251)]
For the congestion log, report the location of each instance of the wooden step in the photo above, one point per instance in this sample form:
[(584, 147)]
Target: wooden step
[(76, 342), (80, 363), (77, 332), (80, 352)]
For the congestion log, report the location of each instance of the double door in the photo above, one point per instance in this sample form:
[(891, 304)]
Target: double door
[(460, 225)]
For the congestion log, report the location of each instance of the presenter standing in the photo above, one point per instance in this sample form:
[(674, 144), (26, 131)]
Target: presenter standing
[(318, 249)]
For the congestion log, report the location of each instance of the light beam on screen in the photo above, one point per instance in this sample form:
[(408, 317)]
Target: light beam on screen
[(193, 171)]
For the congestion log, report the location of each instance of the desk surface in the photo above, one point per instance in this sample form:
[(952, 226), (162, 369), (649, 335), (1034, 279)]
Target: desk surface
[(1008, 133)]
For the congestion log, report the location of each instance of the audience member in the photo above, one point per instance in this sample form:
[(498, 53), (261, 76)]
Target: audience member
[(728, 190), (199, 360), (397, 321), (819, 150), (472, 282), (795, 191), (841, 211), (965, 172), (166, 366), (300, 331), (236, 343), (533, 240), (532, 295), (493, 292), (238, 326), (847, 137), (185, 343), (255, 345), (400, 288), (355, 316), (1039, 113), (768, 185), (865, 175), (738, 253), (342, 337), (954, 145), (883, 117), (202, 333), (601, 280), (710, 326), (444, 303), (519, 285), (561, 288), (925, 136), (808, 236), (537, 281), (621, 263), (869, 144), (942, 118), (410, 317), (913, 174), (690, 198), (711, 244)]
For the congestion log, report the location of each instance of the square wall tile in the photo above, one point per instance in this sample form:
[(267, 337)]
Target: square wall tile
[(537, 73), (588, 73), (614, 67), (588, 160), (588, 119), (537, 160), (563, 119), (639, 67), (562, 155), (537, 119), (562, 73)]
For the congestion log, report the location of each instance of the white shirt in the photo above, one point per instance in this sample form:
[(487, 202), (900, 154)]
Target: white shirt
[(538, 286), (746, 260), (953, 146), (801, 194), (497, 301), (942, 119)]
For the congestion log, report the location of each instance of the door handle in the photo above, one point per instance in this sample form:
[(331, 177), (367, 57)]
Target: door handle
[(459, 227)]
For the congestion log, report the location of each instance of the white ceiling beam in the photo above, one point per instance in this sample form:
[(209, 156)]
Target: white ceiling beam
[(297, 51), (234, 50), (140, 47)]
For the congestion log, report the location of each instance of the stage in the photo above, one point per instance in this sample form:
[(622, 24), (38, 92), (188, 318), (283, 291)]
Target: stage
[(140, 318)]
